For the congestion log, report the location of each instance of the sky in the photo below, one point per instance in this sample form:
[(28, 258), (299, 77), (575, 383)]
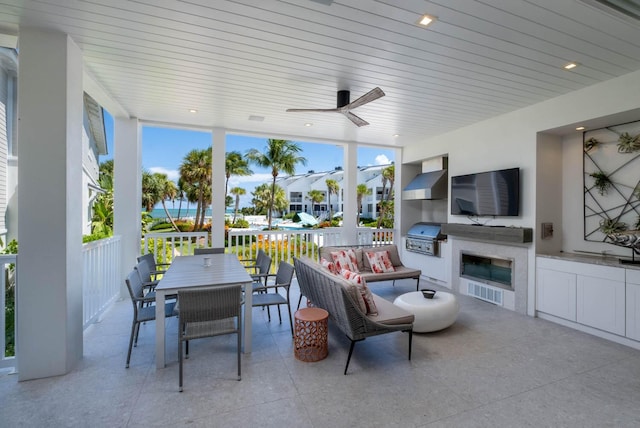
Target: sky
[(163, 150)]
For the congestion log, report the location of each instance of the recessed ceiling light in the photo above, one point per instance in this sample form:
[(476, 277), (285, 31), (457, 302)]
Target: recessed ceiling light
[(308, 124), (396, 135), (570, 65), (580, 128), (256, 118), (192, 110), (425, 20)]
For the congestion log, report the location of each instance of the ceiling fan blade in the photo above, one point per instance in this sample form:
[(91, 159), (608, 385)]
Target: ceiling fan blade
[(372, 95), (331, 110), (355, 119)]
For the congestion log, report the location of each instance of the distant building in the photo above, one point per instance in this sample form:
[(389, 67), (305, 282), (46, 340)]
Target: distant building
[(297, 189)]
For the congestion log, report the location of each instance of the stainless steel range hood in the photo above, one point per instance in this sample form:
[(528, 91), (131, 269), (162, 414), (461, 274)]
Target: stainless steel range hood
[(428, 185)]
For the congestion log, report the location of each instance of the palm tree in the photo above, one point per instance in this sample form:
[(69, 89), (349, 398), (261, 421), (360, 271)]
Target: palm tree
[(315, 196), (169, 191), (235, 164), (195, 170), (263, 199), (279, 155), (388, 175), (237, 191), (332, 188), (361, 191), (151, 191)]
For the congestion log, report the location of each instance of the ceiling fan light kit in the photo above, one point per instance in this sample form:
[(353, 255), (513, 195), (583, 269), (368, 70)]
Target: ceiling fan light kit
[(345, 107)]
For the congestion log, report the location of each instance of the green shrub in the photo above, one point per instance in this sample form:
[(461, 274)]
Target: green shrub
[(95, 236), (241, 224)]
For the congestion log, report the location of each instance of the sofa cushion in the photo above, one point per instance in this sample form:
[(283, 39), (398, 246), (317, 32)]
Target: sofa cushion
[(390, 314), (331, 266), (361, 285), (379, 261), (393, 255), (401, 272), (345, 259)]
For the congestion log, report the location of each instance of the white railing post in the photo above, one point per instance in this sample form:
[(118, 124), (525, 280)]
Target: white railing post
[(100, 277), (7, 287)]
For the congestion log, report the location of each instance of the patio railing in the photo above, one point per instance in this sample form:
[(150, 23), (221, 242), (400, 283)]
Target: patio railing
[(279, 244), (100, 277), (7, 309)]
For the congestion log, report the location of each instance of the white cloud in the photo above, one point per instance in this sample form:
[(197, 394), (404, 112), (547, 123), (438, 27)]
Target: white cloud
[(382, 160), (254, 179), (172, 174)]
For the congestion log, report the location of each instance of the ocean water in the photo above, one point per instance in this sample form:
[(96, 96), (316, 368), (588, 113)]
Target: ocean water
[(159, 212)]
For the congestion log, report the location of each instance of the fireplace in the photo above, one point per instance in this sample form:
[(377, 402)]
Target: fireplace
[(491, 270)]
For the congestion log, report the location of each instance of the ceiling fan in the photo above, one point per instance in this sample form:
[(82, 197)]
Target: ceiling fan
[(345, 107)]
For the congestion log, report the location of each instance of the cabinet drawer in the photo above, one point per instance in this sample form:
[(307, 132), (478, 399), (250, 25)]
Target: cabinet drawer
[(633, 276)]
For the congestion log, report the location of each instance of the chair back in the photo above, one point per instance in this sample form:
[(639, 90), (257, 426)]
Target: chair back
[(263, 264), (213, 250), (144, 270), (284, 274), (150, 258), (134, 285), (210, 303)]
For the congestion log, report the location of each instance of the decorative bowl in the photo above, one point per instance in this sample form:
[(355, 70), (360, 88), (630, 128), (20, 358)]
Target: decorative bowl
[(428, 294)]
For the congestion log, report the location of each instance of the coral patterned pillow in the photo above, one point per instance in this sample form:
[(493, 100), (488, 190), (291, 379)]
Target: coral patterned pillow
[(329, 265), (380, 261), (345, 259), (357, 280)]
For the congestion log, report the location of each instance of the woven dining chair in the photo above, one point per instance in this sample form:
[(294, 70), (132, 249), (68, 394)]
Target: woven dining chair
[(155, 268), (144, 271), (283, 279), (262, 273), (207, 312), (143, 311)]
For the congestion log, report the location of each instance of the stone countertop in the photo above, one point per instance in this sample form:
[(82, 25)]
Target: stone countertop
[(603, 260)]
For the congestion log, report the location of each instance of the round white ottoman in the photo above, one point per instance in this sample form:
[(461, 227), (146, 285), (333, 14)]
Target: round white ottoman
[(431, 314)]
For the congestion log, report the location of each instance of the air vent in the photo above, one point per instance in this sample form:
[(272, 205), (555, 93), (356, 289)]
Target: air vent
[(485, 293), (628, 10)]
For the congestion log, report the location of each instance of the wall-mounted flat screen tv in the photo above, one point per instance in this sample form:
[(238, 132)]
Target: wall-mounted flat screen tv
[(491, 193)]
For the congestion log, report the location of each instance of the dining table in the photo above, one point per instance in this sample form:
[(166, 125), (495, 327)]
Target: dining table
[(204, 270)]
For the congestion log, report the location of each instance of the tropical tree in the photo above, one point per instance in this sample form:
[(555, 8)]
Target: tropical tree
[(237, 191), (386, 205), (169, 192), (102, 218), (234, 164), (263, 200), (332, 189), (195, 171), (279, 155), (361, 191), (152, 190), (315, 196)]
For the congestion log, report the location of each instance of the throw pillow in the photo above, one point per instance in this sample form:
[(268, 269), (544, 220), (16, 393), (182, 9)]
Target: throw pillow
[(331, 266), (357, 280), (345, 259), (380, 261)]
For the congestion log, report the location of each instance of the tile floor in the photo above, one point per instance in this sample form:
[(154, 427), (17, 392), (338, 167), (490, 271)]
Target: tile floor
[(492, 368)]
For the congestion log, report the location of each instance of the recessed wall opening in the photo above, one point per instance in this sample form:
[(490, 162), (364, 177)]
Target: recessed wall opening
[(492, 270)]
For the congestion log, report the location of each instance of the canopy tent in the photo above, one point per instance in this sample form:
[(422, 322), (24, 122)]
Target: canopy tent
[(305, 218)]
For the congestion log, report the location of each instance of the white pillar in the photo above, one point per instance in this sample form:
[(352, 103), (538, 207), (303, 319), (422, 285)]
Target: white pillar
[(49, 301), (350, 203), (127, 192), (217, 187)]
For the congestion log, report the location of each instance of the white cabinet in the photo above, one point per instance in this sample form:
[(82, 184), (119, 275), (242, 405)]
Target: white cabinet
[(556, 293), (633, 304), (601, 303), (592, 295)]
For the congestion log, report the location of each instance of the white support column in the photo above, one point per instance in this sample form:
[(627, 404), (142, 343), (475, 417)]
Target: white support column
[(349, 214), (218, 206), (49, 301), (397, 197), (127, 192)]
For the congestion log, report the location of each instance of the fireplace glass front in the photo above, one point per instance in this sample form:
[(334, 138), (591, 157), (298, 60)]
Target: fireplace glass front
[(491, 270)]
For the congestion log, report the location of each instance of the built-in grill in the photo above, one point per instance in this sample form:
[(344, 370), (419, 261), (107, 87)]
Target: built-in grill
[(424, 238)]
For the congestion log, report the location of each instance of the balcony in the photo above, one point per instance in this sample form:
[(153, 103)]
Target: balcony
[(491, 368)]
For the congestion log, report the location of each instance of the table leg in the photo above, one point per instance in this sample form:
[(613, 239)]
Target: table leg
[(160, 320), (248, 311)]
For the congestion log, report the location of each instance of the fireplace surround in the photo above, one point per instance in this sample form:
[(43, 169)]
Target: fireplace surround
[(488, 269)]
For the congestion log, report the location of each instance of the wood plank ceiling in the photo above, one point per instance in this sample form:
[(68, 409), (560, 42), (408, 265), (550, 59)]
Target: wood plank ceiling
[(234, 59)]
